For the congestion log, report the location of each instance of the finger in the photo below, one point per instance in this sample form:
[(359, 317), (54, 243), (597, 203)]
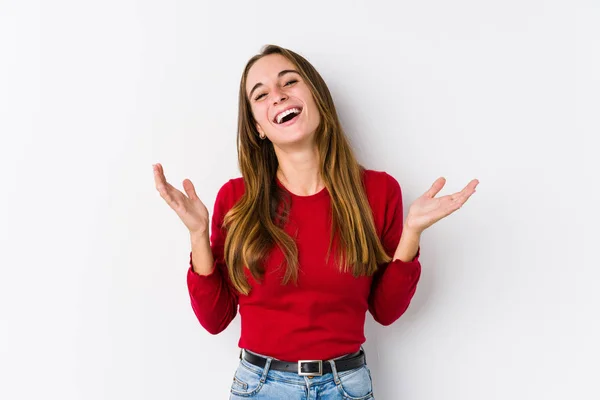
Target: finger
[(460, 198), (165, 189), (436, 187), (471, 186), (166, 192), (466, 192), (160, 182), (453, 202), (159, 176), (190, 190)]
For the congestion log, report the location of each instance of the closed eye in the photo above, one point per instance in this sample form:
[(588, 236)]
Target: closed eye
[(288, 83)]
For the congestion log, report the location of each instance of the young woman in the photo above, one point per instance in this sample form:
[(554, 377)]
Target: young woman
[(305, 242)]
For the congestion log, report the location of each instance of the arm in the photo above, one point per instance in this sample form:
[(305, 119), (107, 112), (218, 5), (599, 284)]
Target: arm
[(213, 298), (408, 246), (202, 261), (395, 283)]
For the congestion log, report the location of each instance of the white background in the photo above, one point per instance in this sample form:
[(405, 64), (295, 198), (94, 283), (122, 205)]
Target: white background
[(93, 296)]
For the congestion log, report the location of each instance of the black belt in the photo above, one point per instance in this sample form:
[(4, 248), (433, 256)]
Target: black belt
[(308, 367)]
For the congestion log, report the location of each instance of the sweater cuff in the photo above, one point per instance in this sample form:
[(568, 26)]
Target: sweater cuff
[(197, 280), (408, 269), (413, 261)]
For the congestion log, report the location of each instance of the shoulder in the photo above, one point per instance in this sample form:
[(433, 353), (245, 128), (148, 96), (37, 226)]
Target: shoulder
[(380, 184), (384, 196), (230, 192), (232, 186)]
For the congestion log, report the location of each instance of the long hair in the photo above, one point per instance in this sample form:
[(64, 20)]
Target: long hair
[(255, 223)]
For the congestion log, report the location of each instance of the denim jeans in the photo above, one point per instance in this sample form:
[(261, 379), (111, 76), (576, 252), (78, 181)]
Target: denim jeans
[(263, 383)]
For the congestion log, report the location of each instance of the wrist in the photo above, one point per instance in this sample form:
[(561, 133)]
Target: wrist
[(409, 245), (412, 232), (198, 237)]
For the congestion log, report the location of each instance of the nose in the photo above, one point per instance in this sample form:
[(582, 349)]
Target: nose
[(279, 96)]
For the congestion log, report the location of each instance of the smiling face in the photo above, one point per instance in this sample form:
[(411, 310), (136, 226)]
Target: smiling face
[(282, 103)]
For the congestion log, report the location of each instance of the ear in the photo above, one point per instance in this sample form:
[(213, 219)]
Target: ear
[(259, 129)]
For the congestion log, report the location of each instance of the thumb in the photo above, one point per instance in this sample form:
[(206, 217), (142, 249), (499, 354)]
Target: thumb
[(189, 189), (436, 187)]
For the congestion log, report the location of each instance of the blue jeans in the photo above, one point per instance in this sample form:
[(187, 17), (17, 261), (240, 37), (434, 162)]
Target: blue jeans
[(252, 382)]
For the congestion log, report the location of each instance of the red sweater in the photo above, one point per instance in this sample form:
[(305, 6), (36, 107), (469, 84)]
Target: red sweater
[(323, 316)]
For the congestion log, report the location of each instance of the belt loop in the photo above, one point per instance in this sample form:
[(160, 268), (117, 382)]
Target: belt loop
[(364, 354), (263, 378), (336, 378)]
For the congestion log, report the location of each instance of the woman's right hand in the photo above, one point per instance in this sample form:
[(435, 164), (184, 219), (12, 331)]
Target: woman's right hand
[(190, 208)]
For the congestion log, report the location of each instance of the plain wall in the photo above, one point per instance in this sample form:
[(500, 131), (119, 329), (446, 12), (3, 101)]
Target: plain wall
[(93, 295)]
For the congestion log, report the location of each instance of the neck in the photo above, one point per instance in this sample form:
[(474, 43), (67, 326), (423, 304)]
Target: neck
[(299, 172)]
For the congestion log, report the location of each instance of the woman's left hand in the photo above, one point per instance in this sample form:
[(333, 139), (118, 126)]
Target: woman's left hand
[(427, 209)]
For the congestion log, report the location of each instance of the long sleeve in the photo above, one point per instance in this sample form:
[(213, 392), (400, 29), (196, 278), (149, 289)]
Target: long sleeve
[(213, 298), (394, 283)]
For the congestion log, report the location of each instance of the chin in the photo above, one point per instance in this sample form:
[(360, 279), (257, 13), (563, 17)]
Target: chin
[(297, 136)]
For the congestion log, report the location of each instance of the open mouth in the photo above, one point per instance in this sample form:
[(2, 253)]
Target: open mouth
[(286, 117)]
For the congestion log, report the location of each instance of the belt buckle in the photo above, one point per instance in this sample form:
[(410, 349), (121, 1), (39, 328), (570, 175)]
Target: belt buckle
[(320, 373)]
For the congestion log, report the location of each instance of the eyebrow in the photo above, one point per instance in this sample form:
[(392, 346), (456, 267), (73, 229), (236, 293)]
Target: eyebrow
[(279, 75)]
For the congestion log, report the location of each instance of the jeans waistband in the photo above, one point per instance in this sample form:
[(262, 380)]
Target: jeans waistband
[(336, 358)]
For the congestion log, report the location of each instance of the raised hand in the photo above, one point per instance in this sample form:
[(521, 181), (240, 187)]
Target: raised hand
[(427, 209), (190, 208)]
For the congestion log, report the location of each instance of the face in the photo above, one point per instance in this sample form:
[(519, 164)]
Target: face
[(281, 101)]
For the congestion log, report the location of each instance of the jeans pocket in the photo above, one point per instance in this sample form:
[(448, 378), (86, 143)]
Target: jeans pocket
[(246, 381), (356, 384)]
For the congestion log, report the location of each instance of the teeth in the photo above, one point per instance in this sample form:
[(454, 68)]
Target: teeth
[(280, 116)]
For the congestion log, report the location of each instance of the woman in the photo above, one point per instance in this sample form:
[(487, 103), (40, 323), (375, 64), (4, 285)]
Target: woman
[(302, 195)]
